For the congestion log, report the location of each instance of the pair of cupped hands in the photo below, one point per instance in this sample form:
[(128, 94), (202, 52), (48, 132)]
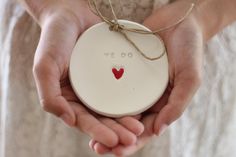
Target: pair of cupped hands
[(62, 23)]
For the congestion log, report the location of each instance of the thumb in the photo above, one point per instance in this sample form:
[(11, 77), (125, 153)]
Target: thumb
[(50, 65), (180, 96)]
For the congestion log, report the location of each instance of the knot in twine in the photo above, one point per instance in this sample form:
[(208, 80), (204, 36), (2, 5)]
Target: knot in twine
[(115, 26)]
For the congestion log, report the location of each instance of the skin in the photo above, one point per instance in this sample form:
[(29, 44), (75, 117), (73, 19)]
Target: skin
[(62, 22), (60, 28), (185, 72), (184, 44)]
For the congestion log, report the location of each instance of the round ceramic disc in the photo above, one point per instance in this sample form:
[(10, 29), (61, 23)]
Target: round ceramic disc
[(111, 77)]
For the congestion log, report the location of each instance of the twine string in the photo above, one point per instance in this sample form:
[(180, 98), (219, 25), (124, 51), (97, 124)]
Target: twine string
[(114, 25)]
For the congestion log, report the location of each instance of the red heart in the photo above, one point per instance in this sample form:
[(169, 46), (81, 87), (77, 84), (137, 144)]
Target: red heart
[(118, 73)]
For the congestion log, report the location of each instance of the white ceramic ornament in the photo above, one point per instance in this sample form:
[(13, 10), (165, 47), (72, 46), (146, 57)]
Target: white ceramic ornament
[(111, 77)]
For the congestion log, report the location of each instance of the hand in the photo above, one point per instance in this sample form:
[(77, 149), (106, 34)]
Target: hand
[(61, 23), (184, 45)]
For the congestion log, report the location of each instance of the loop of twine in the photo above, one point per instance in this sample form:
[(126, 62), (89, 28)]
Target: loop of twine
[(114, 25)]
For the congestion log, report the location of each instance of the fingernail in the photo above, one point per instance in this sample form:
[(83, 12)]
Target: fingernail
[(66, 118), (91, 144), (162, 129)]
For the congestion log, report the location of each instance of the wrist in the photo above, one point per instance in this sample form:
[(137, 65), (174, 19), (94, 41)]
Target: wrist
[(214, 15), (71, 12), (34, 8)]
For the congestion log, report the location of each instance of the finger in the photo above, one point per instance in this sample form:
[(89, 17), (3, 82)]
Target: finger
[(180, 96), (161, 102), (121, 150), (99, 148), (67, 91), (92, 143), (47, 77), (91, 126), (51, 57), (142, 140), (51, 99), (126, 137), (138, 117), (132, 125)]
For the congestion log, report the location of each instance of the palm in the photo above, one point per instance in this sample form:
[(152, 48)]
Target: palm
[(51, 64), (184, 50), (58, 37)]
